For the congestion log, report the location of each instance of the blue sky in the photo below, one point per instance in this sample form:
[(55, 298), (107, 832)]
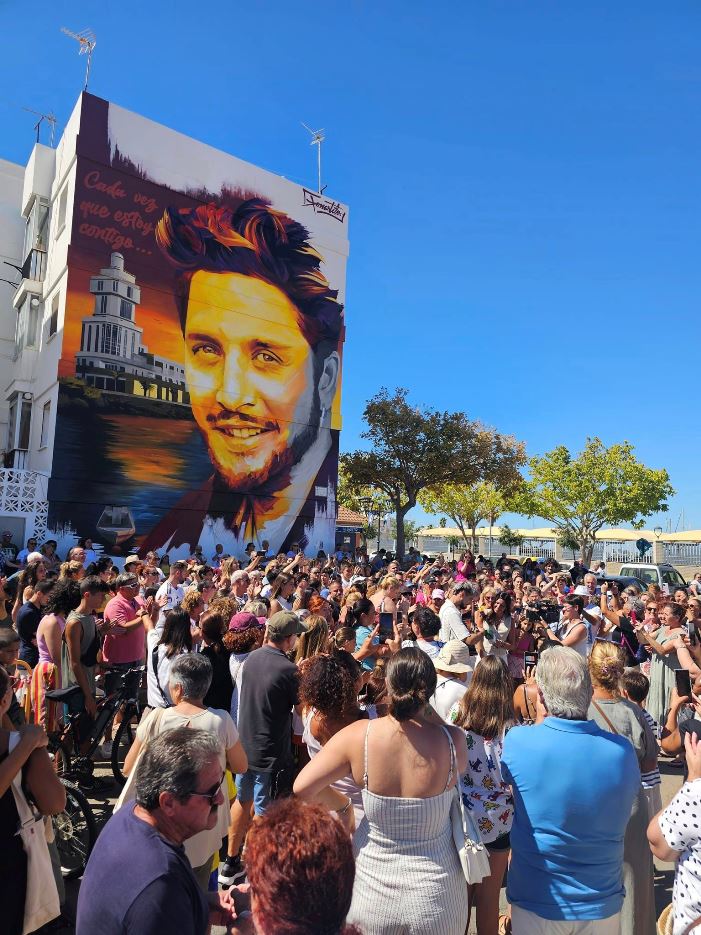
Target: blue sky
[(523, 181)]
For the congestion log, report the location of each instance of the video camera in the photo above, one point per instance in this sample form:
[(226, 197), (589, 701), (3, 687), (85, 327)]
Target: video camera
[(548, 610)]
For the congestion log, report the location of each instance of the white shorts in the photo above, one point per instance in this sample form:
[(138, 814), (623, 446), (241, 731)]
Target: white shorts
[(524, 922)]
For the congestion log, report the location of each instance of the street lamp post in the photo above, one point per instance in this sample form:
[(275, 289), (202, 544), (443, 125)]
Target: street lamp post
[(658, 531)]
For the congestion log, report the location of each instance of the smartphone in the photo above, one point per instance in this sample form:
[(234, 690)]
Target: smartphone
[(682, 678), (386, 627), (399, 618), (530, 660), (693, 633)]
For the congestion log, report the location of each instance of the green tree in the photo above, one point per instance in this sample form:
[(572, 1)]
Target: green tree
[(361, 498), (412, 448), (599, 487), (465, 505), (509, 538)]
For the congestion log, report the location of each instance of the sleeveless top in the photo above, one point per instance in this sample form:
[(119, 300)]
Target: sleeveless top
[(44, 654), (408, 875), (348, 786)]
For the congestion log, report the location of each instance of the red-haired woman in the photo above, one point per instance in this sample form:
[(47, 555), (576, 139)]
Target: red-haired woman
[(300, 868)]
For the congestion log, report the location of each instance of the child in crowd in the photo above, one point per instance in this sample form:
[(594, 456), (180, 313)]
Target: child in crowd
[(635, 686)]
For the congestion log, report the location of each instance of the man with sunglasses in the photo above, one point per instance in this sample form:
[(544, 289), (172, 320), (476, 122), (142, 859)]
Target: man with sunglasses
[(138, 879)]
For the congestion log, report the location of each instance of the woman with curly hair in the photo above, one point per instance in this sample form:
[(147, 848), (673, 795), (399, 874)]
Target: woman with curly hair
[(328, 695), (65, 597), (245, 634), (300, 868)]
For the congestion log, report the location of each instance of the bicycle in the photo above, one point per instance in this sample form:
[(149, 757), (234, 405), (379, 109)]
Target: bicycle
[(73, 753), (75, 832)]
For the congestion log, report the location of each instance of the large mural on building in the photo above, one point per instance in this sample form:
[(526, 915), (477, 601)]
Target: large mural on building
[(200, 372)]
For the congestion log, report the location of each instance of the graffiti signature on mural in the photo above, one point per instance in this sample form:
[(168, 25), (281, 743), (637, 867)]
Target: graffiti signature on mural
[(323, 205)]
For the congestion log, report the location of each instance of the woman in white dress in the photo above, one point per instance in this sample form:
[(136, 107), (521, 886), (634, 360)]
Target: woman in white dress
[(408, 875)]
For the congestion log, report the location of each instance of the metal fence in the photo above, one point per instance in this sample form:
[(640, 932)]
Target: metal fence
[(682, 553)]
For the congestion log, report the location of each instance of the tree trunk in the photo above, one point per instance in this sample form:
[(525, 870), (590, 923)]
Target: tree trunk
[(586, 548), (473, 536), (401, 512)]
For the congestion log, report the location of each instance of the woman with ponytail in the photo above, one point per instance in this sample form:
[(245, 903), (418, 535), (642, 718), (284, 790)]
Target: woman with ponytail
[(406, 764), (617, 715)]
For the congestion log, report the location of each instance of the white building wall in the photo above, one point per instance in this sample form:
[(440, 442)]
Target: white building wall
[(11, 240)]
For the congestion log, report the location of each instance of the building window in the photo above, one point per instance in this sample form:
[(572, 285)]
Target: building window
[(62, 207), (102, 305), (27, 331), (130, 292), (45, 423), (19, 422), (115, 285), (100, 285), (108, 345), (125, 309), (36, 227), (53, 318)]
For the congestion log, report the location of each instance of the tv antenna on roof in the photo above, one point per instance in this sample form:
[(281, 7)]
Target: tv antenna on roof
[(317, 139), (87, 42), (50, 119)]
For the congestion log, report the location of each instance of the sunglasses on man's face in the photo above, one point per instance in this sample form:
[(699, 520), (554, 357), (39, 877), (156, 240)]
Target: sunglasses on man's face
[(211, 794)]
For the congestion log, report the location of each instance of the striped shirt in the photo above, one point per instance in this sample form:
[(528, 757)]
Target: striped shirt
[(652, 778)]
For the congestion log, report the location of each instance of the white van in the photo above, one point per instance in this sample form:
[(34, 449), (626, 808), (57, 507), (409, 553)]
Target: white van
[(664, 574)]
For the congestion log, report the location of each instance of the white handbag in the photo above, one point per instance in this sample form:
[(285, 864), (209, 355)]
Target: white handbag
[(41, 903), (473, 855)]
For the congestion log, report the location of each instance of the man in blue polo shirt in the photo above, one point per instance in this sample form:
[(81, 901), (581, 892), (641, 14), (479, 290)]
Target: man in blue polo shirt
[(566, 872)]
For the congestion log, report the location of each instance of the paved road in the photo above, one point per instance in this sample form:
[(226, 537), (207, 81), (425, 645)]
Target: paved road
[(664, 873)]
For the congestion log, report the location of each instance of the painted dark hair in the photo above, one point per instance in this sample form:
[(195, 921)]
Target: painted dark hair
[(254, 240)]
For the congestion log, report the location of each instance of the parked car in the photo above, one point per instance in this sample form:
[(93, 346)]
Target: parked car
[(665, 575)]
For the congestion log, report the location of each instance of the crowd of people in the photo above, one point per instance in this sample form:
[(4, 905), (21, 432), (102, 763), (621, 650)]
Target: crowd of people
[(314, 725)]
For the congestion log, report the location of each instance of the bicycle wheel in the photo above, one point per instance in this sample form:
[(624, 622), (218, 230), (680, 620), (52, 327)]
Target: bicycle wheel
[(123, 740), (75, 831)]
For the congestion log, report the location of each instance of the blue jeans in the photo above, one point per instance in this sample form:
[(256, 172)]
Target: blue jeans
[(253, 786)]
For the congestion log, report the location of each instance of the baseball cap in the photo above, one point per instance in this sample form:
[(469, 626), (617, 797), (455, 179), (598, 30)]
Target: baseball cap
[(285, 623), (437, 593), (243, 621), (582, 590), (453, 657), (131, 559)]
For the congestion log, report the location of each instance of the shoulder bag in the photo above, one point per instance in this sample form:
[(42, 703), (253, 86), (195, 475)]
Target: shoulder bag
[(41, 903), (473, 855)]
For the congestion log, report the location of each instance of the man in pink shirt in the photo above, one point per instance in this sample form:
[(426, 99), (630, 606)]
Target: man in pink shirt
[(124, 645)]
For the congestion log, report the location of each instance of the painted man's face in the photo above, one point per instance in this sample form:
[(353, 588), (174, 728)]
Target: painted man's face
[(250, 375)]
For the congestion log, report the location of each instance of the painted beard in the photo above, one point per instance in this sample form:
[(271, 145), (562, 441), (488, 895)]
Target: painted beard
[(274, 474)]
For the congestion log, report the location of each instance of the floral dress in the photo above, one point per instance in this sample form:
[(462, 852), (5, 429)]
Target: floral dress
[(484, 792)]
